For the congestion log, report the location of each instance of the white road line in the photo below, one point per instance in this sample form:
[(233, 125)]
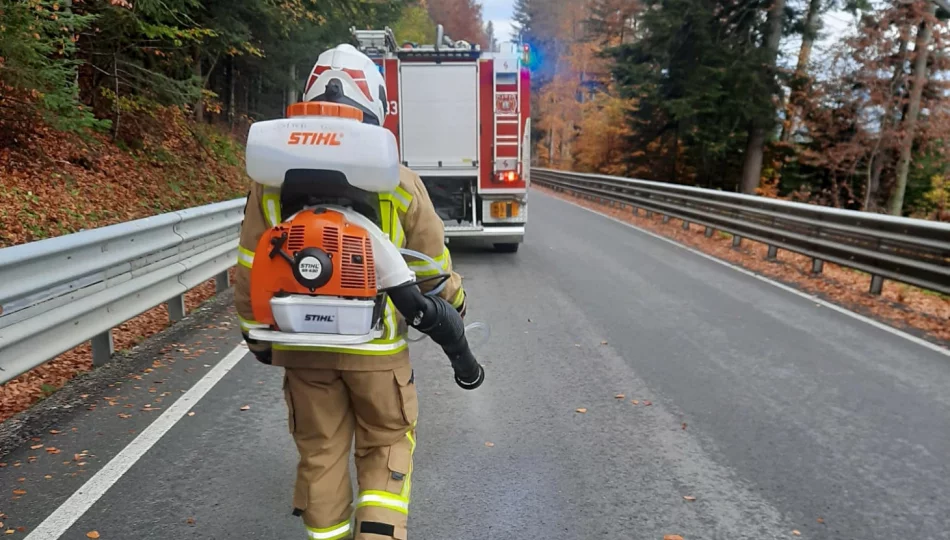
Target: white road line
[(63, 518), (877, 324)]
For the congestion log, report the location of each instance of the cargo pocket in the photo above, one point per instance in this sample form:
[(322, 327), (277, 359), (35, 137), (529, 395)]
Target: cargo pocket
[(400, 465), (291, 420), (408, 400)]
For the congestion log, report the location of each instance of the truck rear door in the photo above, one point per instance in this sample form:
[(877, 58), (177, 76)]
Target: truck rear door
[(439, 117)]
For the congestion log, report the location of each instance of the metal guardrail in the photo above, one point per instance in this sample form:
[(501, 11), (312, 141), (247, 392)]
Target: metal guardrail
[(912, 251), (61, 292)]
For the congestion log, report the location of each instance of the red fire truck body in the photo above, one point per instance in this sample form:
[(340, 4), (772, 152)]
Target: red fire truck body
[(461, 118)]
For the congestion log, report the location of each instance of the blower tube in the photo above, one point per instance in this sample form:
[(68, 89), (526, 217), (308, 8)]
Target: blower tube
[(435, 317)]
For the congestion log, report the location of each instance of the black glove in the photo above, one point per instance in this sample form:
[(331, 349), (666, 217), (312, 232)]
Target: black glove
[(263, 352)]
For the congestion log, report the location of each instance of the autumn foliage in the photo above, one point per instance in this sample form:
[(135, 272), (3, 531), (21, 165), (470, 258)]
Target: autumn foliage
[(679, 91)]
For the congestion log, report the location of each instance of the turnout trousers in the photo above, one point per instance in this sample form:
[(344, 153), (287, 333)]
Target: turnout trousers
[(328, 410)]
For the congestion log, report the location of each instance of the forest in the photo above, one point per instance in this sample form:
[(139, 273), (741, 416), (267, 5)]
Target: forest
[(112, 110), (730, 95)]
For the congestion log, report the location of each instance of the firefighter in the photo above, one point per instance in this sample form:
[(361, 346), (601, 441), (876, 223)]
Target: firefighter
[(334, 394)]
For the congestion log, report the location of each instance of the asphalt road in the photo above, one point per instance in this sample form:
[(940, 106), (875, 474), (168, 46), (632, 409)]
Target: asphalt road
[(776, 413)]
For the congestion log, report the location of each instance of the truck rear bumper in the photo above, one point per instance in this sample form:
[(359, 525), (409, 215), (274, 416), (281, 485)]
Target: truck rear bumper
[(507, 234)]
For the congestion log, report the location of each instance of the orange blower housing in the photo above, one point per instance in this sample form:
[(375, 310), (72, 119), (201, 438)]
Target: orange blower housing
[(317, 253)]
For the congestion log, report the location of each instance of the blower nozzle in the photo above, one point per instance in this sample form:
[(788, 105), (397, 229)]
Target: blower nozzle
[(435, 317)]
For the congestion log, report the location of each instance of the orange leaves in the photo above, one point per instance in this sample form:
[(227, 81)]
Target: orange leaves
[(92, 534)]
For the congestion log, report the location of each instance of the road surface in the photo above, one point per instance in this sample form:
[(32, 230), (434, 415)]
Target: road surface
[(776, 413)]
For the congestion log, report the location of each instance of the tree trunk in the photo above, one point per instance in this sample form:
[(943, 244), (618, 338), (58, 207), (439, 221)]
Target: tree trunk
[(804, 55), (200, 105), (895, 203), (752, 167), (881, 156), (292, 90), (115, 73)]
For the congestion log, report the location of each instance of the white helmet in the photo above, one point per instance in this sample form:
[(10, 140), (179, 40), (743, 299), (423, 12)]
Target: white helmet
[(347, 76)]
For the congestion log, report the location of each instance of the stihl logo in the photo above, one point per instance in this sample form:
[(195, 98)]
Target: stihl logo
[(318, 318), (315, 138)]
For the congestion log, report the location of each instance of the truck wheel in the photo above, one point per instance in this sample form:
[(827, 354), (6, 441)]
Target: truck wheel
[(508, 248)]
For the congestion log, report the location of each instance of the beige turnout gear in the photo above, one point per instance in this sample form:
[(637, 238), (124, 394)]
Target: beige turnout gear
[(334, 394)]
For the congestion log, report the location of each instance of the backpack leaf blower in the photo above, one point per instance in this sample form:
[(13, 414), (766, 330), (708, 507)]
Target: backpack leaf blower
[(325, 275)]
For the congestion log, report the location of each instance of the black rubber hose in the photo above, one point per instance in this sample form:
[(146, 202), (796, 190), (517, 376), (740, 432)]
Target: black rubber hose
[(435, 317)]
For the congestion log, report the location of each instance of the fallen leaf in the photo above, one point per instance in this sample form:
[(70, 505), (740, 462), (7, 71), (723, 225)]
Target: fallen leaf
[(54, 432), (689, 498), (36, 447), (21, 479), (603, 342), (48, 476), (192, 413), (92, 534), (19, 492), (489, 444), (581, 410), (672, 537), (684, 425), (820, 520), (647, 402), (796, 533), (9, 531), (190, 521), (619, 396), (246, 407), (635, 401)]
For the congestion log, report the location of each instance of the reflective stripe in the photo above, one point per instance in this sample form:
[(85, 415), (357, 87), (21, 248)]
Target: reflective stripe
[(399, 237), (383, 499), (407, 486), (425, 268), (374, 348), (390, 219), (247, 324), (335, 532), (458, 298), (403, 198), (270, 203), (389, 320), (245, 257)]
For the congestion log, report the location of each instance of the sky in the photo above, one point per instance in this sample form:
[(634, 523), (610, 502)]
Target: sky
[(499, 12)]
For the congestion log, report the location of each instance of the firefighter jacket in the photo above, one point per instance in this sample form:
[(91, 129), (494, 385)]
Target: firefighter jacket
[(409, 218)]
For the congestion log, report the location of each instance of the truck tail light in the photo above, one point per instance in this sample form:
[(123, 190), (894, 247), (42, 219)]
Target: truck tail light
[(507, 177), (505, 209)]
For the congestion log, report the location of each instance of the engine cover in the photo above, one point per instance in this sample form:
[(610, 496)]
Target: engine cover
[(316, 253)]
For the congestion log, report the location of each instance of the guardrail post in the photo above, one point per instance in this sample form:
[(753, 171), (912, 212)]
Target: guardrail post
[(773, 253), (222, 282), (649, 213), (666, 219), (636, 211), (102, 348), (817, 265), (736, 241), (877, 285), (708, 232), (176, 308), (685, 225)]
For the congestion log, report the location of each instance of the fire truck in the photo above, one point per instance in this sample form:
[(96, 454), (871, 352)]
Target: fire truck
[(462, 122)]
